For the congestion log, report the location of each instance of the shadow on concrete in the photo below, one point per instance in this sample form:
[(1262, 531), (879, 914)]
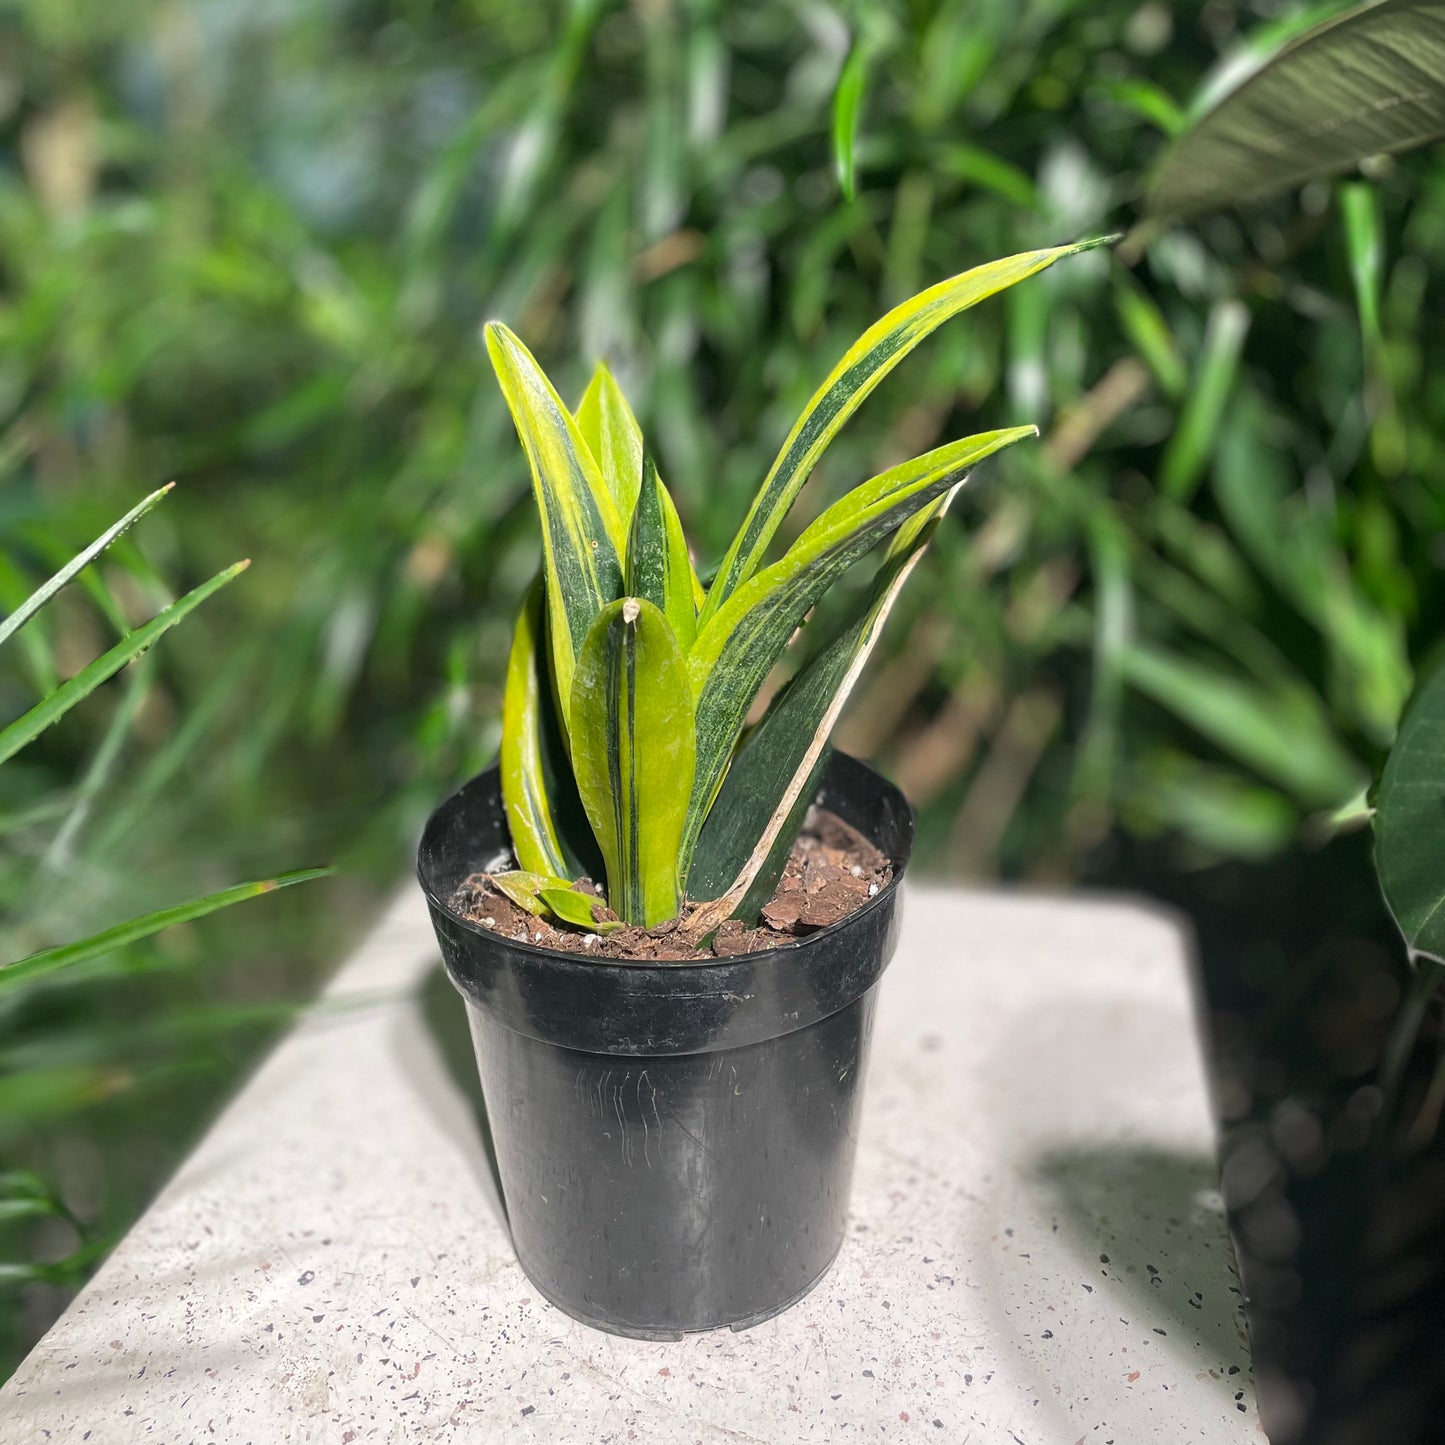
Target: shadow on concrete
[(444, 1017), (1145, 1222)]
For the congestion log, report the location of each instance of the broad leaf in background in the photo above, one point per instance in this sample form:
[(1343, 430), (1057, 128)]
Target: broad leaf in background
[(750, 828), (633, 753), (848, 385), (1368, 83), (736, 649), (583, 539), (1410, 822), (613, 437), (658, 569)]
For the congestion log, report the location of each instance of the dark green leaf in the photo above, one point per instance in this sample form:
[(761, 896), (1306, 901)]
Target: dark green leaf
[(1368, 83), (1410, 821)]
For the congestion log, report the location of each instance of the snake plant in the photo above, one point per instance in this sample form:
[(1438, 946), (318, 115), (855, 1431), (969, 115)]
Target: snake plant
[(629, 683)]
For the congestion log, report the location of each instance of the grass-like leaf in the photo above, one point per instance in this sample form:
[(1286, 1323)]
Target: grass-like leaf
[(27, 728), (735, 650), (633, 752), (658, 569), (108, 940), (865, 364), (1283, 733), (583, 538), (614, 438), (847, 104), (32, 604), (1367, 83)]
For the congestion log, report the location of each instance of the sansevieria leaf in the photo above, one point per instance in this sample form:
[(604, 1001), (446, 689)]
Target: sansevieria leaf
[(866, 363), (614, 438), (524, 781), (578, 909), (550, 831), (750, 828), (735, 650), (633, 752), (658, 569), (583, 538)]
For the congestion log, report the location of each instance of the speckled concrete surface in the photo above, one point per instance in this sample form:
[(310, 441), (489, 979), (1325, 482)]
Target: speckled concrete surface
[(1036, 1254)]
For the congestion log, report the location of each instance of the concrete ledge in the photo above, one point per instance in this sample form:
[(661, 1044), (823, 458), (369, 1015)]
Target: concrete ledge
[(1037, 1253)]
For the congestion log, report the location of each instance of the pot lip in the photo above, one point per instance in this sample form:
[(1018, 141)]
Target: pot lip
[(575, 959)]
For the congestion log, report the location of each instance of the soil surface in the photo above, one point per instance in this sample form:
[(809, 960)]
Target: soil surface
[(832, 871)]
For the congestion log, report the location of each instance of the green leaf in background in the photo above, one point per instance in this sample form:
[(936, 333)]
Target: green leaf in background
[(63, 956), (614, 438), (1194, 439), (848, 385), (1368, 83), (734, 652), (847, 104), (1364, 228), (28, 727), (578, 909), (583, 539), (32, 604), (771, 783), (1285, 735), (524, 779), (658, 569), (1410, 822), (633, 752)]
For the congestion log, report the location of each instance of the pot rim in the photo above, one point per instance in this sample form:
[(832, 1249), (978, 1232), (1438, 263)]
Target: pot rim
[(578, 959)]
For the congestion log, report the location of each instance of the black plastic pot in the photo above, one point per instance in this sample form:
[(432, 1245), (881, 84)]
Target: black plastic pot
[(675, 1141)]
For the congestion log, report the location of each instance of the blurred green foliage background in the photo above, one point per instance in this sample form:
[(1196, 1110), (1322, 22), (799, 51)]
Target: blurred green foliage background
[(248, 247)]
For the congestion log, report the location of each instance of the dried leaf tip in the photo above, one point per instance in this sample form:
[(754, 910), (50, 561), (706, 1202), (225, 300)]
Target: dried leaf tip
[(631, 609)]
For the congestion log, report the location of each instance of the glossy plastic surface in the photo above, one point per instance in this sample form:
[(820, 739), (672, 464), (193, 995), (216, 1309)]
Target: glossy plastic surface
[(675, 1141)]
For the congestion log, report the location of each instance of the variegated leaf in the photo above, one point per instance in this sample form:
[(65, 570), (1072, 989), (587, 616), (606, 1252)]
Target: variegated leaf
[(611, 432), (865, 364), (524, 783), (583, 537), (735, 650), (633, 753), (751, 826), (550, 832), (657, 564)]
